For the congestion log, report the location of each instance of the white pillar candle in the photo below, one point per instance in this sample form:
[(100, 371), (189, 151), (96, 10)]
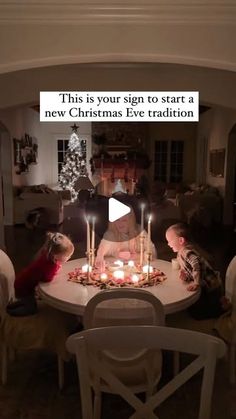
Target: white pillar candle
[(147, 268), (119, 263), (103, 276), (119, 274), (131, 263), (135, 279), (86, 268)]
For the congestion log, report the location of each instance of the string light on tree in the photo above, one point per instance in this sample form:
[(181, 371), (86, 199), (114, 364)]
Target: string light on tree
[(74, 164)]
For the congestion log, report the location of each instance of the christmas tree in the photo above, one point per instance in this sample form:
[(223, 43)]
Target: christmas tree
[(74, 167)]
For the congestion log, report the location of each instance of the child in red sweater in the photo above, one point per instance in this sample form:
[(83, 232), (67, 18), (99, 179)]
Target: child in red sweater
[(57, 249)]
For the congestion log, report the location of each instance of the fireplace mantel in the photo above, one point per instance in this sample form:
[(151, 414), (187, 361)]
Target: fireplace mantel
[(110, 163)]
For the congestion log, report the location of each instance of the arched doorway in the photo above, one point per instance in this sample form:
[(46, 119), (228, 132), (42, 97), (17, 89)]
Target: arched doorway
[(6, 197), (230, 186)]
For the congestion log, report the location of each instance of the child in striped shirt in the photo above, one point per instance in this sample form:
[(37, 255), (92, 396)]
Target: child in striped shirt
[(196, 272)]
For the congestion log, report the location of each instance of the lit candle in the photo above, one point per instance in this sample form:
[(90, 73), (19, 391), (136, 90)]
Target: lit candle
[(88, 237), (93, 233), (103, 277), (93, 240), (86, 268), (131, 263), (141, 235), (135, 278), (149, 235), (147, 268), (119, 263), (119, 274)]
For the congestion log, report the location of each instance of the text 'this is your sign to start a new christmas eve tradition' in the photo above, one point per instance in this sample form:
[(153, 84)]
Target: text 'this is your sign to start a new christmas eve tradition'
[(162, 106)]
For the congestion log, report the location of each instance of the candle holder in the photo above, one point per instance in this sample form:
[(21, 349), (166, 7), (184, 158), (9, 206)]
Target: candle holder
[(89, 263), (149, 258), (88, 256), (142, 237), (92, 251)]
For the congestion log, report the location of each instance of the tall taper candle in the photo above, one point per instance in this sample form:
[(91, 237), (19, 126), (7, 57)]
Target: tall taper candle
[(149, 235), (93, 240), (88, 237)]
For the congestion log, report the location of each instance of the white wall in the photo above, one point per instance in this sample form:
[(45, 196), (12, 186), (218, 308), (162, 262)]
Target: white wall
[(222, 122), (26, 120), (203, 134), (215, 125), (39, 34)]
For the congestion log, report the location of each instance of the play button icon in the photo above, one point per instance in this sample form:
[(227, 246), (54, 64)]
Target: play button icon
[(116, 209)]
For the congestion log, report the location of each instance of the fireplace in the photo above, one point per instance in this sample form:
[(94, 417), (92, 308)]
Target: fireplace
[(118, 174)]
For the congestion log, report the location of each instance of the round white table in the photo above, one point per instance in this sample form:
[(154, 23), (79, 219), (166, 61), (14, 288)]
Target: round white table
[(72, 297)]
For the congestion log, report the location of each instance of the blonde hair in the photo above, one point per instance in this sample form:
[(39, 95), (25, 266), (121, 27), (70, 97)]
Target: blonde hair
[(181, 230), (58, 244), (132, 230)]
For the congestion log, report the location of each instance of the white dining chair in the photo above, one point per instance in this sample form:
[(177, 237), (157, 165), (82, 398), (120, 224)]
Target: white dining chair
[(90, 346), (38, 331), (7, 286), (230, 291), (148, 309), (141, 371), (226, 325)]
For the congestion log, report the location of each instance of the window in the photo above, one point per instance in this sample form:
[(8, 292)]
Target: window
[(168, 161), (176, 161), (161, 160), (217, 162), (62, 148)]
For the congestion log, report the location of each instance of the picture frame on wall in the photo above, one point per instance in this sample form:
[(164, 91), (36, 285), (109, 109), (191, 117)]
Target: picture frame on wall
[(217, 162), (34, 153), (17, 151), (25, 153)]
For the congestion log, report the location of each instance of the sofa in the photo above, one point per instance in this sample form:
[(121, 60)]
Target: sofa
[(29, 198)]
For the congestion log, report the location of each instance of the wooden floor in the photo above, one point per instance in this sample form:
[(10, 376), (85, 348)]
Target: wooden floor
[(32, 392)]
